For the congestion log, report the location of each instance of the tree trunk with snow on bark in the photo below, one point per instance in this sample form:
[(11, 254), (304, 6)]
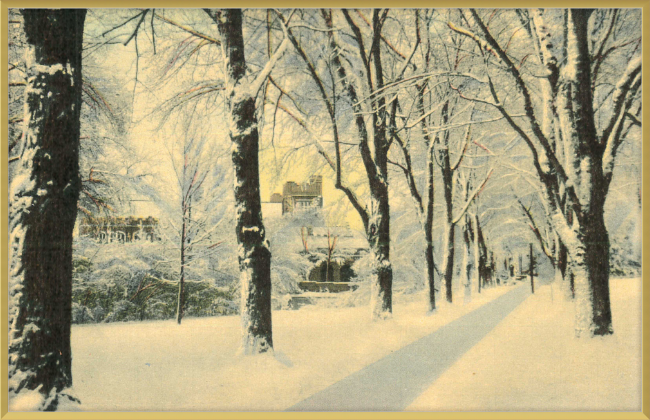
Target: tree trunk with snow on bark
[(43, 208), (254, 254)]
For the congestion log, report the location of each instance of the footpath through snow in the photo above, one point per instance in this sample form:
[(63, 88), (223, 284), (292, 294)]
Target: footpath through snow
[(393, 382), (532, 362), (158, 365)]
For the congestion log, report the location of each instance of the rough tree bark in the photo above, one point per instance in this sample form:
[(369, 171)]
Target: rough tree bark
[(589, 249), (254, 253), (428, 230), (43, 207)]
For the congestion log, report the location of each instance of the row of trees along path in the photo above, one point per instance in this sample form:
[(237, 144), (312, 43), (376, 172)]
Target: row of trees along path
[(393, 95)]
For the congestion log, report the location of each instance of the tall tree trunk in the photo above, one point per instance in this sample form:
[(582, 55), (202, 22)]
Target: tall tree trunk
[(588, 244), (382, 294), (467, 269), (180, 309), (429, 209), (381, 297), (448, 258), (589, 275), (450, 226), (43, 208), (596, 260), (428, 233), (477, 276), (254, 254)]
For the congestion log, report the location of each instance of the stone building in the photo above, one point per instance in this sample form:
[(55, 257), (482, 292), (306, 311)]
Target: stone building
[(297, 197), (127, 224), (119, 229)]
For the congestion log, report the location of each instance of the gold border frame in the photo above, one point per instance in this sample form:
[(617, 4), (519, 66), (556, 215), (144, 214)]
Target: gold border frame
[(5, 5)]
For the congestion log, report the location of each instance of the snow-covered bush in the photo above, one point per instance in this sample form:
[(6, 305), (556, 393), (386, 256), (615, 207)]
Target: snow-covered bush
[(123, 310), (81, 314), (129, 282), (363, 267), (289, 264), (625, 250)]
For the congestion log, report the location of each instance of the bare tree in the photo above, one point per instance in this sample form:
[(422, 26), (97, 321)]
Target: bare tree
[(254, 254), (364, 73), (240, 93), (376, 221), (474, 260), (424, 204), (572, 158), (331, 245), (195, 220)]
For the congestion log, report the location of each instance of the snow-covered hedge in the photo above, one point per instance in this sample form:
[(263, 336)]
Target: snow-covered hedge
[(134, 282)]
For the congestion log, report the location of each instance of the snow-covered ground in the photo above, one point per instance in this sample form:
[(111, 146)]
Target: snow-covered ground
[(158, 365), (531, 361)]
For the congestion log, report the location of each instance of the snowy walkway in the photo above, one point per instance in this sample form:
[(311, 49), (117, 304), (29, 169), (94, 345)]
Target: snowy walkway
[(394, 382), (532, 362)]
